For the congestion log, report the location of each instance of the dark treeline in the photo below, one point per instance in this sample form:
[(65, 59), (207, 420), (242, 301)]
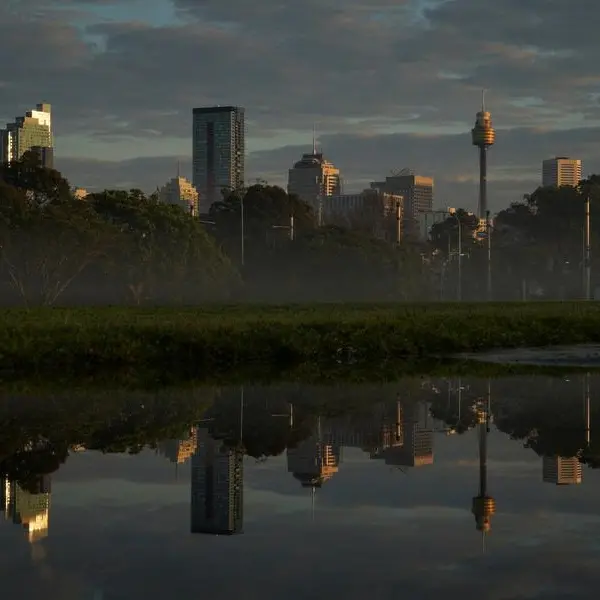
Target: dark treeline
[(119, 247), (545, 415)]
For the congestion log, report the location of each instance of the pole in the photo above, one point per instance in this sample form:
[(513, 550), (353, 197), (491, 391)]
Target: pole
[(243, 230), (588, 262), (398, 223), (292, 228), (488, 229), (459, 256), (482, 181)]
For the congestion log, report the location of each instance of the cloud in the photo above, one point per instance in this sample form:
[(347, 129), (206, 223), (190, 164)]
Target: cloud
[(389, 83)]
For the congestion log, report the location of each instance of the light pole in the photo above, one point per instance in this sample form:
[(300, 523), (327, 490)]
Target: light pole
[(588, 252), (455, 216), (290, 227)]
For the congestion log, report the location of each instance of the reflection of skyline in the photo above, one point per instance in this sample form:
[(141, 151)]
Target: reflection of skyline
[(217, 487), (29, 508)]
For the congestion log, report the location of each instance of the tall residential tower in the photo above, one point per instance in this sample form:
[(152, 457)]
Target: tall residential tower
[(218, 152), (31, 132)]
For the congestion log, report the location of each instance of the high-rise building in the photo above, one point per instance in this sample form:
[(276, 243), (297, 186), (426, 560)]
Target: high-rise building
[(30, 132), (561, 470), (416, 190), (179, 451), (313, 178), (218, 152), (217, 487), (180, 192), (560, 171)]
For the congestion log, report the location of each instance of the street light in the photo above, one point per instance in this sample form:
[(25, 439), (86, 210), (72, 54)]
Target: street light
[(290, 227), (455, 216)]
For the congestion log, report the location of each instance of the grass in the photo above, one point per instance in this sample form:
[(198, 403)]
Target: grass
[(218, 341)]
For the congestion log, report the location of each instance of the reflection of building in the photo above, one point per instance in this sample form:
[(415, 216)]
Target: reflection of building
[(561, 470), (218, 153), (30, 132), (29, 508), (415, 446), (217, 487), (179, 451), (484, 506), (313, 462), (314, 179)]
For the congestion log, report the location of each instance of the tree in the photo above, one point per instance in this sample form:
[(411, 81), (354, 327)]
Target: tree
[(40, 183), (165, 253), (46, 246)]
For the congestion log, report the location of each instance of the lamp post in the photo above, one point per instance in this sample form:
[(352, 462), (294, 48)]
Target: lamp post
[(454, 216), (588, 252)]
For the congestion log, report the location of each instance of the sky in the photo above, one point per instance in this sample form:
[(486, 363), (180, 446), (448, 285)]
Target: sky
[(388, 84)]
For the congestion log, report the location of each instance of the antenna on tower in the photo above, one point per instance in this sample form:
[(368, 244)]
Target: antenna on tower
[(314, 138), (483, 100), (178, 169)]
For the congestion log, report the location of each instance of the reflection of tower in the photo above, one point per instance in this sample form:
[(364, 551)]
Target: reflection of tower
[(313, 461), (483, 136), (562, 470), (414, 447), (29, 508), (217, 487), (484, 506)]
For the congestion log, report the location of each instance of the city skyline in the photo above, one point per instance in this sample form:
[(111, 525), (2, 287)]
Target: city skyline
[(133, 104)]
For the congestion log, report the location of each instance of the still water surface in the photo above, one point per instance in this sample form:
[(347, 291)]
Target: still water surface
[(413, 490)]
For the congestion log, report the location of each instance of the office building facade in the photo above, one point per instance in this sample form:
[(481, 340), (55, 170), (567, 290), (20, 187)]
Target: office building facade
[(314, 179), (218, 152), (33, 131), (416, 190), (561, 171)]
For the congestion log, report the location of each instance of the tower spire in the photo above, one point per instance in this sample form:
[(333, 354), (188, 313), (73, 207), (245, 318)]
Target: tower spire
[(483, 100), (178, 169), (314, 139)]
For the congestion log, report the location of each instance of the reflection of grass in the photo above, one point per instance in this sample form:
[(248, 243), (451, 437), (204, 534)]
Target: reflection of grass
[(115, 379), (207, 343)]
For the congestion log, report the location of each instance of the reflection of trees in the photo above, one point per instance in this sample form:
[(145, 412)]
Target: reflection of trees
[(26, 466)]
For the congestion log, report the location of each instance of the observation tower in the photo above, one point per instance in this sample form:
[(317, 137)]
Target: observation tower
[(483, 136)]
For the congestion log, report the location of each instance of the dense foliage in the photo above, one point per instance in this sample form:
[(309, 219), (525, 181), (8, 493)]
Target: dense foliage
[(196, 343)]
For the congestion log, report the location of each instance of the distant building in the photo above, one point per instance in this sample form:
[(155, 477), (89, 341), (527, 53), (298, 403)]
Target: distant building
[(218, 152), (80, 193), (30, 132), (181, 192), (378, 213), (560, 171), (312, 178), (562, 471), (217, 487), (416, 190)]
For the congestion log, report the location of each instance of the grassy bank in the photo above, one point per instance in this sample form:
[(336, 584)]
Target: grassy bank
[(204, 342)]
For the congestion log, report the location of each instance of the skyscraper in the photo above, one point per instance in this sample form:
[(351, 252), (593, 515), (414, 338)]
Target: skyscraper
[(416, 190), (312, 178), (30, 132), (217, 487), (560, 171), (218, 152)]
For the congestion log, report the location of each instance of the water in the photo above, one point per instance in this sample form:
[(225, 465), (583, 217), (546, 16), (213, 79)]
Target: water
[(386, 491)]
